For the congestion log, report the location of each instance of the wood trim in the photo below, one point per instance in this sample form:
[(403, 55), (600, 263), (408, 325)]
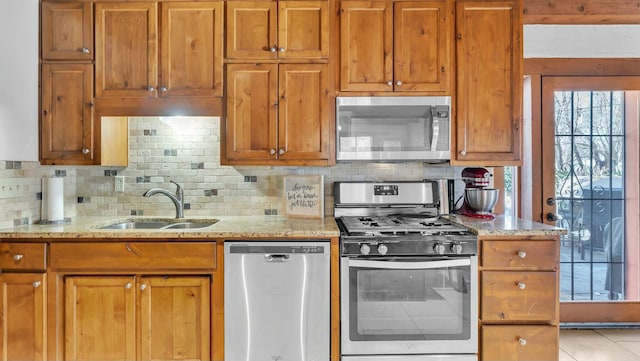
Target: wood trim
[(582, 12), (582, 66), (600, 312)]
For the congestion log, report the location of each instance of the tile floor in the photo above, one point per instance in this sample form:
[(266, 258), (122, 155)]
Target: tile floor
[(600, 345)]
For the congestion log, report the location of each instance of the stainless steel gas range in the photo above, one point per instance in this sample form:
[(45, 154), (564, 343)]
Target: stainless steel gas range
[(409, 287)]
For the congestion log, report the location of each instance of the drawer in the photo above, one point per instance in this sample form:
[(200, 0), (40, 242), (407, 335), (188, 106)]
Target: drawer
[(134, 256), (535, 254), (519, 342), (23, 256), (519, 296)]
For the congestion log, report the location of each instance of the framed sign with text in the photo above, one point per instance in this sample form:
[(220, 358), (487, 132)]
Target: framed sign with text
[(304, 196)]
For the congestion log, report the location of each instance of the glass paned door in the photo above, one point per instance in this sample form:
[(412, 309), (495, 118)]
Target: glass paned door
[(590, 178), (589, 184)]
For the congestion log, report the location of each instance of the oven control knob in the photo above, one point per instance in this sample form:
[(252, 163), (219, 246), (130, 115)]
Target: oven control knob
[(365, 249), (456, 248), (439, 248), (382, 249)]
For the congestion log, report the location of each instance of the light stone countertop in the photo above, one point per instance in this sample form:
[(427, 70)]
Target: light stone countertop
[(227, 227), (249, 227), (507, 226)]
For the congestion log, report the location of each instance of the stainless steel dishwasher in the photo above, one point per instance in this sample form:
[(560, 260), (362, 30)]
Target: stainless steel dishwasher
[(276, 301)]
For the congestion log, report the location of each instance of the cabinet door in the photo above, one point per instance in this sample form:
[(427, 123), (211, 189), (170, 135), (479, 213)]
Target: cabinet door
[(126, 54), (422, 38), (366, 45), (303, 112), (519, 342), (251, 30), (67, 31), (191, 43), (175, 309), (67, 114), (99, 318), (251, 112), (22, 317), (488, 124), (303, 29)]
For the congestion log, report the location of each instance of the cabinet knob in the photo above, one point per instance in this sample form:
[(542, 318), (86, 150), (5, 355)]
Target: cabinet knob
[(163, 89), (272, 151), (522, 285), (522, 254), (390, 83), (128, 286), (143, 287), (151, 89), (86, 50), (18, 257), (85, 150), (522, 341), (463, 152), (273, 49), (398, 83), (281, 151), (36, 284), (282, 50)]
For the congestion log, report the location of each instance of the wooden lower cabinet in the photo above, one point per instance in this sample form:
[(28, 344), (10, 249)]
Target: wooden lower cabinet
[(518, 342), (22, 316), (519, 302), (137, 318)]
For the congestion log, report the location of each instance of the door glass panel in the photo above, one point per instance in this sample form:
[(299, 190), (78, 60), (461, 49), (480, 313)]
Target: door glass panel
[(590, 170)]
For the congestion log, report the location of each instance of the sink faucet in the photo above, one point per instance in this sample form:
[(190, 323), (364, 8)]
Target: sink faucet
[(177, 199)]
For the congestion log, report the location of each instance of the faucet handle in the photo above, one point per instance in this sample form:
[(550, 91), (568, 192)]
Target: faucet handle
[(178, 189)]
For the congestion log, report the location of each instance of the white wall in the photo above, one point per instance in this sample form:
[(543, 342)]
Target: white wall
[(582, 41), (19, 80)]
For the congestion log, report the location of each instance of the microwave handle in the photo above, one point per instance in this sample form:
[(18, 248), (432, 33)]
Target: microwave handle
[(395, 264), (434, 135)]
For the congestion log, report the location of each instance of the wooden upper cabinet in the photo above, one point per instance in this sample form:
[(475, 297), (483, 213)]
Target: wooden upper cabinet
[(251, 30), (303, 106), (191, 43), (66, 122), (128, 64), (251, 112), (366, 45), (23, 317), (126, 49), (278, 114), (488, 122), (422, 46), (67, 30), (395, 46), (265, 30)]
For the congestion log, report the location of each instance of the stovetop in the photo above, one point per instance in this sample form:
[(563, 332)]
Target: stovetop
[(399, 224)]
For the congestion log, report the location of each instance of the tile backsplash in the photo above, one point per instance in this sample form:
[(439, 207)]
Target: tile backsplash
[(185, 150)]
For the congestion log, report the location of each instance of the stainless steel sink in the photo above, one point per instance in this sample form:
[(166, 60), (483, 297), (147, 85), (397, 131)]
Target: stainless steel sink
[(162, 224)]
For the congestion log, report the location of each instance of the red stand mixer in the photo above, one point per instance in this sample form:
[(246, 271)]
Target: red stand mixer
[(479, 200)]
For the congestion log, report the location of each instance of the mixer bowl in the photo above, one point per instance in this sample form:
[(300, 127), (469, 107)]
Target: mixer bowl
[(481, 200)]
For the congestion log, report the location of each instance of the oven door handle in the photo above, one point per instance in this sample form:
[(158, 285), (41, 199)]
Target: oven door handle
[(395, 264)]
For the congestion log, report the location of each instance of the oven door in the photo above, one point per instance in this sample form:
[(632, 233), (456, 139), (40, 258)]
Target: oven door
[(409, 306)]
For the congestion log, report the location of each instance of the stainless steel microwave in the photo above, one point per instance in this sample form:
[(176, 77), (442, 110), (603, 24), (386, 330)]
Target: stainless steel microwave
[(393, 128)]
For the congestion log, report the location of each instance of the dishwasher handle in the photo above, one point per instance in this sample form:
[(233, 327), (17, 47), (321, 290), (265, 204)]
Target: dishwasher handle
[(276, 257)]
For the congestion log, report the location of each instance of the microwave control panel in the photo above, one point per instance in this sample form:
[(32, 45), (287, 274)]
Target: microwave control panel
[(385, 190)]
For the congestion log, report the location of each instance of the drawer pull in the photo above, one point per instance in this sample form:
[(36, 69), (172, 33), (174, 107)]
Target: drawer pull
[(522, 254), (18, 257), (522, 285), (36, 284), (523, 341)]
